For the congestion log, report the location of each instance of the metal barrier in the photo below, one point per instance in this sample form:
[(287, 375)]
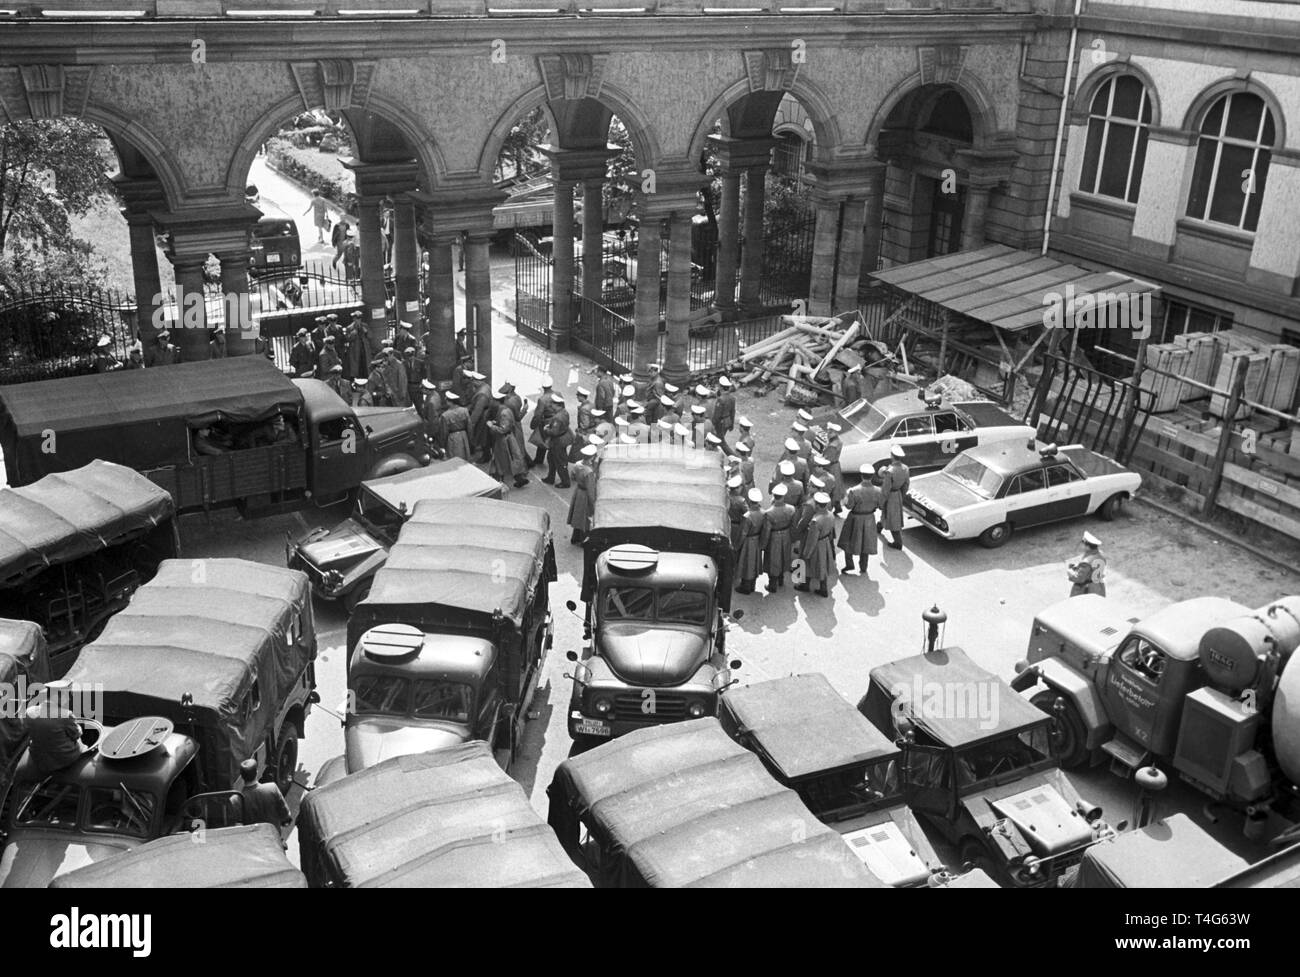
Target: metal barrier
[(1079, 404), (603, 334), (53, 332)]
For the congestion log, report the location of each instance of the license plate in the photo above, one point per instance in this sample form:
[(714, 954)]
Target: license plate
[(273, 259), (593, 727)]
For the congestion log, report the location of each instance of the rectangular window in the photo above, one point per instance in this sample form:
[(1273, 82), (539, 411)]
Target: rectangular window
[(1235, 165), (1139, 164), (1091, 155), (1114, 168), (1181, 317)]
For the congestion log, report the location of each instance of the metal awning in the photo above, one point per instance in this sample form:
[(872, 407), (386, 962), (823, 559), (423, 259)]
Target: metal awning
[(1002, 286)]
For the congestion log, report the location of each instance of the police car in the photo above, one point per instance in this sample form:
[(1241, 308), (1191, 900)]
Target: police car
[(992, 490), (930, 431)]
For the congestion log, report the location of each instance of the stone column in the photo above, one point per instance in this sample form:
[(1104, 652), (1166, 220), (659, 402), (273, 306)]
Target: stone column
[(724, 296), (972, 221), (441, 289), (241, 331), (825, 237), (478, 299), (872, 218), (371, 244), (850, 260), (646, 311), (406, 263), (751, 269), (139, 198), (593, 226), (190, 330), (676, 368), (562, 266)]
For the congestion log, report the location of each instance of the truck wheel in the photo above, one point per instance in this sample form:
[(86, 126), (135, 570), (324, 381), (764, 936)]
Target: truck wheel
[(995, 536), (355, 596), (1109, 509), (1068, 734), (973, 852), (286, 757)]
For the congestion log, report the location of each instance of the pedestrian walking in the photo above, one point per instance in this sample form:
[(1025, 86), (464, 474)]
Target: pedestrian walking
[(456, 420), (559, 436), (318, 207), (263, 803), (217, 344), (584, 491), (896, 480), (818, 547), (1087, 572), (858, 534), (339, 237), (778, 548), (746, 436), (519, 407), (507, 460), (724, 411), (749, 558), (541, 417)]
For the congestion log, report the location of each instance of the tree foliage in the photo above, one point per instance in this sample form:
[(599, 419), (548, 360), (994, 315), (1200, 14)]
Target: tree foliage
[(519, 154)]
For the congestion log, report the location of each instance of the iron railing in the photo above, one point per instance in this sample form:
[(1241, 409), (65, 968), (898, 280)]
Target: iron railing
[(52, 332), (602, 334)]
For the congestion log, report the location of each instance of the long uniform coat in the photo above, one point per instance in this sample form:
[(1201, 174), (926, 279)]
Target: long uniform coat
[(803, 516), (818, 547), (858, 534), (434, 425), (583, 499), (541, 415), (396, 379), (507, 458), (377, 387), (302, 359), (778, 548), (326, 362), (480, 412), (749, 557), (832, 454), (724, 414), (897, 478), (606, 394), (356, 354), (457, 421), (736, 509), (518, 407), (559, 435), (794, 490)]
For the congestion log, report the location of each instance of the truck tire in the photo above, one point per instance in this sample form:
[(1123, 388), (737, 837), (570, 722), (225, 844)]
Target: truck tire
[(286, 757), (974, 852), (1068, 733), (355, 596), (1109, 509), (995, 536)]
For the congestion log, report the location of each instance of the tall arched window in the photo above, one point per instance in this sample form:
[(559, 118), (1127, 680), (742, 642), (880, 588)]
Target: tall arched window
[(1232, 157), (1116, 148)]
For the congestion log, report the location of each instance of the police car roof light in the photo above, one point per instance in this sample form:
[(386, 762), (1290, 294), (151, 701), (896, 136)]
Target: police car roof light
[(392, 644), (632, 558), (1048, 450)]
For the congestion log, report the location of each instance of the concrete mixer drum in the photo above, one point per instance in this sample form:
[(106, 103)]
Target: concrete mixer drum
[(1233, 654)]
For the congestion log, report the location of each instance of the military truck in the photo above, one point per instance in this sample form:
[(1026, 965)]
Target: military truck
[(228, 432), (342, 561), (657, 585), (24, 667), (1173, 853), (75, 546), (451, 642), (1206, 687)]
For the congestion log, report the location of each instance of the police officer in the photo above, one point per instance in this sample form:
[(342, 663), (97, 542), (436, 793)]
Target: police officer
[(302, 358), (1087, 572), (355, 352), (858, 534), (541, 417), (636, 425), (105, 362), (586, 423), (746, 466), (896, 479), (559, 436), (217, 344), (818, 547), (432, 410), (327, 360), (831, 452), (794, 487), (455, 420), (798, 466), (580, 503), (778, 549), (749, 556), (507, 460), (336, 383), (606, 390), (480, 412), (746, 427), (263, 803), (161, 352), (724, 410), (736, 508)]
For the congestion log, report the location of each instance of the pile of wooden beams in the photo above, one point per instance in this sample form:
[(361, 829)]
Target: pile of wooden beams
[(802, 352)]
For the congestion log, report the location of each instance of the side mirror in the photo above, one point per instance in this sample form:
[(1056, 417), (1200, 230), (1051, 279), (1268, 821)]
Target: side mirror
[(581, 673), (734, 664), (571, 656), (737, 614), (571, 605)]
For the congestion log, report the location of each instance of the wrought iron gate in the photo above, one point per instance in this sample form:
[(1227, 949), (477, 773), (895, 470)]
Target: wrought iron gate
[(532, 289), (1080, 405), (53, 332)]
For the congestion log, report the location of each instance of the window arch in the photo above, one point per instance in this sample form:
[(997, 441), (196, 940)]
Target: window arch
[(1237, 136), (1116, 147)]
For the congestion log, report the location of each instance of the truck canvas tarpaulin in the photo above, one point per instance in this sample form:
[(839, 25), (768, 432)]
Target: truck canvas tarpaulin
[(139, 418), (667, 497), (22, 657), (683, 805), (447, 819), (229, 633), (66, 516), (249, 856), (457, 565), (1175, 853), (441, 481)]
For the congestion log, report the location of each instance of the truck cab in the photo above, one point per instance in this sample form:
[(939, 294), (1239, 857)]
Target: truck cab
[(657, 644)]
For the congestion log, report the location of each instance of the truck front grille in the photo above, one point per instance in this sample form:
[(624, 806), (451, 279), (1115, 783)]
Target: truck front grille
[(649, 706)]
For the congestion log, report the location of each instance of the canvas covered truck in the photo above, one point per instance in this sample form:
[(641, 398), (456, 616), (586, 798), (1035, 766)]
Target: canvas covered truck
[(24, 665), (451, 642), (228, 432), (74, 547), (657, 584), (1207, 688)]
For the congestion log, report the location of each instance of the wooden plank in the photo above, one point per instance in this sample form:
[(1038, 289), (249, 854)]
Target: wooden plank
[(1283, 493), (1184, 492), (1257, 513)]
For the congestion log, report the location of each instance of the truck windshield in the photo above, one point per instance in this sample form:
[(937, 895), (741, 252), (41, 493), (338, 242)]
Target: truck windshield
[(384, 694), (630, 603), (1003, 755), (689, 606), (120, 810), (442, 700), (976, 476), (48, 804)]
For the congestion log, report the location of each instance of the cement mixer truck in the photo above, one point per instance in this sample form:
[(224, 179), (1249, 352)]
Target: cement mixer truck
[(1207, 688)]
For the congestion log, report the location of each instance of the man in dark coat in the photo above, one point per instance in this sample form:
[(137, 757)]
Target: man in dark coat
[(778, 549), (818, 547), (736, 509), (749, 558), (217, 344), (480, 412), (724, 411), (559, 437), (431, 410), (582, 500), (356, 351), (456, 419), (105, 361), (414, 364), (858, 534), (519, 407), (302, 358), (897, 478), (541, 416), (507, 459), (606, 391), (160, 352), (327, 360), (336, 383)]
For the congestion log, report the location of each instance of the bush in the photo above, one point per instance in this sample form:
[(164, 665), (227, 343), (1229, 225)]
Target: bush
[(329, 143), (285, 162)]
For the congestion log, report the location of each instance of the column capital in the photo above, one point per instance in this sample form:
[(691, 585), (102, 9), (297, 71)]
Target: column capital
[(987, 168), (734, 155), (448, 211), (383, 179), (579, 165), (199, 231), (141, 196), (676, 191), (842, 179)]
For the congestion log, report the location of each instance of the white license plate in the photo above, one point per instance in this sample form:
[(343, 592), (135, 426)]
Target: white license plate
[(272, 259), (593, 727)]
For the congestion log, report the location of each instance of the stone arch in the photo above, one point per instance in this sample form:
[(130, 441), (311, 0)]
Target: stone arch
[(813, 100), (1098, 76), (644, 144), (143, 141), (1224, 86), (433, 170), (982, 109)]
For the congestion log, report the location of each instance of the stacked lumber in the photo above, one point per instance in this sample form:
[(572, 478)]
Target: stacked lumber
[(803, 352), (1283, 376), (1256, 369), (1167, 391)]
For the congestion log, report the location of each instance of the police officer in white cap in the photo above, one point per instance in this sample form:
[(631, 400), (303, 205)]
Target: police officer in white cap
[(896, 478), (749, 556), (541, 417), (1087, 572), (818, 547)]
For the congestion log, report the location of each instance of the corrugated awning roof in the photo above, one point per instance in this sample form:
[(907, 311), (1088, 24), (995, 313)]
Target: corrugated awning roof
[(1003, 286)]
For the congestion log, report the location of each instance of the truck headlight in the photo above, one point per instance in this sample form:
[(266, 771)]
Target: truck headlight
[(695, 709), (332, 579), (941, 524), (601, 706)]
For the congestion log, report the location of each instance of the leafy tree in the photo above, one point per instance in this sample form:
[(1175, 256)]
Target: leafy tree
[(519, 155), (49, 171)]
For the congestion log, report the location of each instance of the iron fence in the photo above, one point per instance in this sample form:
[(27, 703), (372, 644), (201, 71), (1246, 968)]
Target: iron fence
[(1075, 403), (532, 289), (52, 332), (711, 349), (603, 334)]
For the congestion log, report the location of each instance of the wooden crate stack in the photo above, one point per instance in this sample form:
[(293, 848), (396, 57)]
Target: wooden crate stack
[(1203, 364), (1256, 371), (1283, 375), (1169, 358)]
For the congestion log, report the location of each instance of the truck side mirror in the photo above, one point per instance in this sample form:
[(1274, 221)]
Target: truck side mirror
[(571, 656), (573, 606), (734, 664), (737, 614)]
